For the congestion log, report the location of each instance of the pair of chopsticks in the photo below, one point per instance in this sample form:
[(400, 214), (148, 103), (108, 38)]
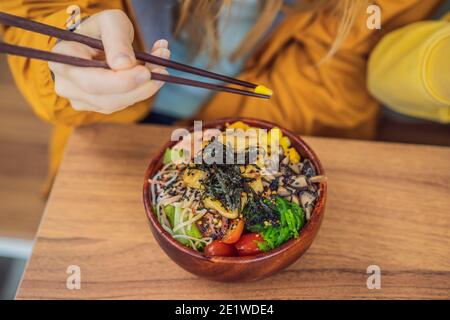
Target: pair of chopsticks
[(34, 26)]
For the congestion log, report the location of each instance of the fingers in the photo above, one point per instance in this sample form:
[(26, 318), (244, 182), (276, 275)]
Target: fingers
[(97, 80), (106, 104), (82, 106), (103, 81), (70, 48), (114, 103), (160, 49), (116, 31), (157, 83), (107, 90), (117, 35)]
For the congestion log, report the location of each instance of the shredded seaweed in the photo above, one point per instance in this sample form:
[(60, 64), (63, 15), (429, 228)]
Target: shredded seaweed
[(224, 182)]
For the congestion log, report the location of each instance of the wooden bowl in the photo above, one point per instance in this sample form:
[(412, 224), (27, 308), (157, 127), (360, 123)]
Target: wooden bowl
[(248, 268)]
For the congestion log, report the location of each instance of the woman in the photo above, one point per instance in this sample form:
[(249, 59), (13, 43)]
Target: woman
[(311, 53)]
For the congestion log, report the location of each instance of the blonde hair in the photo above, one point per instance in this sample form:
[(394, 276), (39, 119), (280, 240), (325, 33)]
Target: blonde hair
[(198, 19)]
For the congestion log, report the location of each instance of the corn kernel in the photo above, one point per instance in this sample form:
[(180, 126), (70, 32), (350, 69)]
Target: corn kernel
[(239, 125), (273, 137), (294, 157), (285, 143)]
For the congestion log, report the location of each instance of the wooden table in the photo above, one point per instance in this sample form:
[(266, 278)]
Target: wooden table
[(388, 205)]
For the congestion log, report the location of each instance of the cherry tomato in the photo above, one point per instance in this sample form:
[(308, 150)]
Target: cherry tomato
[(234, 231), (220, 249), (248, 244)]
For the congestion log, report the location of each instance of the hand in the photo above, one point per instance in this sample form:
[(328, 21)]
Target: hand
[(102, 90)]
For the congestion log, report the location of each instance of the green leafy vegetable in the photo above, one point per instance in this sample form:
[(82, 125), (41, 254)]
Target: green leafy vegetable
[(291, 220)]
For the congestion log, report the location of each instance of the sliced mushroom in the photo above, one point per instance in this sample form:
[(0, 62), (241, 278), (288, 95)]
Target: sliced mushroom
[(298, 182), (285, 170), (308, 169), (277, 174), (307, 199), (312, 188), (295, 167), (282, 191), (318, 179)]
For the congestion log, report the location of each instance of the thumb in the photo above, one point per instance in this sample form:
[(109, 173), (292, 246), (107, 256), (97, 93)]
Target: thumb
[(117, 35)]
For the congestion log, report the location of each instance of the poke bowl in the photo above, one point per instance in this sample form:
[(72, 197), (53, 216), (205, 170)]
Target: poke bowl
[(236, 199)]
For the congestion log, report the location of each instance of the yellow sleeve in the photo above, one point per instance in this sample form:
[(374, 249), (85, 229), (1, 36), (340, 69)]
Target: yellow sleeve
[(33, 77), (409, 70)]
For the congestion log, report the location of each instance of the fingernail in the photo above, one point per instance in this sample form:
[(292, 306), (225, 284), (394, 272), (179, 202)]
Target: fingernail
[(122, 61), (143, 77), (162, 43), (162, 53)]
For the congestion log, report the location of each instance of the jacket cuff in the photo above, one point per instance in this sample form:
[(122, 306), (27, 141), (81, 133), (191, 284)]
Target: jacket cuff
[(437, 66)]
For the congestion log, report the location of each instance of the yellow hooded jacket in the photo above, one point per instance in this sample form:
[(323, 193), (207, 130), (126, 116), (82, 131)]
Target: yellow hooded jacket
[(328, 99)]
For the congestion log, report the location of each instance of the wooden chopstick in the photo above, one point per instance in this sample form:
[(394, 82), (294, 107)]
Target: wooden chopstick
[(80, 62), (30, 25)]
